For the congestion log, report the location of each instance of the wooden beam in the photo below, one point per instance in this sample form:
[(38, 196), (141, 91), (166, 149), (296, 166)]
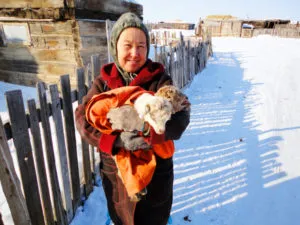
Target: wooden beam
[(11, 183)]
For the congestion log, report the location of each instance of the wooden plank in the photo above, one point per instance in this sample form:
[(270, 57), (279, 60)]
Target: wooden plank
[(87, 175), (53, 42), (92, 28), (87, 53), (56, 194), (95, 66), (71, 139), (22, 143), (188, 59), (88, 75), (42, 68), (11, 183), (109, 26), (91, 41), (51, 28), (37, 14), (62, 153), (37, 56), (42, 55), (40, 165), (32, 4)]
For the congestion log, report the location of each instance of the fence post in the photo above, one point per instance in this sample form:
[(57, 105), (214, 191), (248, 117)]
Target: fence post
[(22, 143), (188, 62), (56, 194), (40, 165), (62, 156), (11, 183), (85, 148), (109, 26), (71, 139)]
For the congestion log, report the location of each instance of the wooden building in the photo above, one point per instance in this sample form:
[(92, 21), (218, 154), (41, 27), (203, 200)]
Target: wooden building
[(220, 26), (41, 40), (176, 24), (227, 25)]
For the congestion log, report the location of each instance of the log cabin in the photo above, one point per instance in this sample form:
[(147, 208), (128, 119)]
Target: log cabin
[(43, 39)]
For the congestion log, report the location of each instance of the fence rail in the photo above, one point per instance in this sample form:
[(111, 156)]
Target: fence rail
[(50, 178)]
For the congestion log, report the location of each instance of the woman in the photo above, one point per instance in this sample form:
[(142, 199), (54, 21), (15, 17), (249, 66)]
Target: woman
[(129, 47)]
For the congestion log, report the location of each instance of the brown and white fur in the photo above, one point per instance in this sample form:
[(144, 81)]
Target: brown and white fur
[(157, 109)]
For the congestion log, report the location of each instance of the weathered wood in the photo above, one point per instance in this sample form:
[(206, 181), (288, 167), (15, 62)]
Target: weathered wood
[(11, 183), (62, 153), (88, 75), (58, 28), (92, 28), (40, 165), (71, 139), (53, 55), (53, 42), (39, 69), (88, 52), (32, 4), (109, 26), (104, 9), (91, 42), (22, 143), (87, 175), (45, 114), (38, 55), (38, 13), (95, 66)]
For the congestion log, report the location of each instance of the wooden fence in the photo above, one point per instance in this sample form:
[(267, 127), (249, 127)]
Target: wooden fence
[(286, 32), (50, 190), (186, 59)]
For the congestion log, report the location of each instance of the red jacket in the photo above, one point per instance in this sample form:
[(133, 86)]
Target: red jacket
[(136, 168), (151, 77)]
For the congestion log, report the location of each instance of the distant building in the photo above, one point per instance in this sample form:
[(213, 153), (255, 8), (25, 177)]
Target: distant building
[(176, 24), (227, 25), (41, 40)]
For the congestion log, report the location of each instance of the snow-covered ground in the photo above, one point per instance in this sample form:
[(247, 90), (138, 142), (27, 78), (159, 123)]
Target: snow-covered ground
[(236, 164)]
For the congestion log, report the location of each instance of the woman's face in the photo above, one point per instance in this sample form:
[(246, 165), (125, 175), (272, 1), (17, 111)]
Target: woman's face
[(132, 49)]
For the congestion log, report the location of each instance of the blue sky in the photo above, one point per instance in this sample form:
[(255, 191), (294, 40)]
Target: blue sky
[(192, 10)]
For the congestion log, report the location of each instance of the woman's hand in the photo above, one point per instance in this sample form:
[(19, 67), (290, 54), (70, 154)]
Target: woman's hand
[(131, 141)]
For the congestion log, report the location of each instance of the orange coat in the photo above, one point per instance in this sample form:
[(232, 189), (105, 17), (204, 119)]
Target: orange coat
[(135, 168)]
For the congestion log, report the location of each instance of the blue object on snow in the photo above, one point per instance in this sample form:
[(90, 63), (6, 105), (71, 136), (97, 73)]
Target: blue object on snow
[(170, 220)]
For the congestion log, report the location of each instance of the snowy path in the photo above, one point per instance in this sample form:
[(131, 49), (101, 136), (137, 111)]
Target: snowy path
[(237, 162)]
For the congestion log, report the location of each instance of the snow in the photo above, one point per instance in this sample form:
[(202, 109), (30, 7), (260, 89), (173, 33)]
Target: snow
[(237, 162)]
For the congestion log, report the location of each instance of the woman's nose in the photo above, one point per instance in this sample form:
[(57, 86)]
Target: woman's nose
[(135, 51)]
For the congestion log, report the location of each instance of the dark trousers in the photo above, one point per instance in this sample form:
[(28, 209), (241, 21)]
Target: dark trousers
[(153, 209)]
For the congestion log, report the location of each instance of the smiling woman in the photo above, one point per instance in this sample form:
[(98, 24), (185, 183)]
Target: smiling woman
[(132, 49), (129, 47)]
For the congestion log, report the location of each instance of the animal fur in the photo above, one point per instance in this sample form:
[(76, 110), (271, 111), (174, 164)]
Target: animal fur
[(155, 110), (173, 94)]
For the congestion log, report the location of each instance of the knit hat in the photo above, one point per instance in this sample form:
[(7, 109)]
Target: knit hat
[(126, 20)]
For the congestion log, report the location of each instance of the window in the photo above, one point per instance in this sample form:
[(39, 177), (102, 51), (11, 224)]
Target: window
[(14, 33)]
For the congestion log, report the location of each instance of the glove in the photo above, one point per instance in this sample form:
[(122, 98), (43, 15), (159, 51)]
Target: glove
[(125, 118), (131, 141)]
